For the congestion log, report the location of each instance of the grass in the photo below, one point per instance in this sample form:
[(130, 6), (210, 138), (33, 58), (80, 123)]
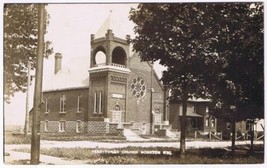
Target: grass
[(193, 156), (19, 138), (67, 137), (16, 138)]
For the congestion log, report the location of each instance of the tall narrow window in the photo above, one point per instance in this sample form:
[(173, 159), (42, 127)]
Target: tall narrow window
[(46, 106), (79, 105), (62, 104), (207, 109), (78, 126), (46, 126), (95, 103), (100, 103), (212, 122), (194, 109), (62, 126), (207, 122)]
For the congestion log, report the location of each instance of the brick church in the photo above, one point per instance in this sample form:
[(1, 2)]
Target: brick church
[(114, 92)]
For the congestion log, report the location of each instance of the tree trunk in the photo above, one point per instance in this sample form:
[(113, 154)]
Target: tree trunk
[(233, 134), (183, 128), (252, 138)]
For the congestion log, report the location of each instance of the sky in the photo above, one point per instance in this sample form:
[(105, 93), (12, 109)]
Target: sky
[(69, 30)]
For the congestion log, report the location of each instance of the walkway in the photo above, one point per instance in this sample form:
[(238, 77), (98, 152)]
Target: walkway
[(132, 136)]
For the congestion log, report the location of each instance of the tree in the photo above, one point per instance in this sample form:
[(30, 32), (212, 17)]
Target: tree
[(205, 47), (20, 45), (165, 33), (242, 79)]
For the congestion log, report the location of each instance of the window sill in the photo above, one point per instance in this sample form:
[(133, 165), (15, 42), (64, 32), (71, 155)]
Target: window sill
[(79, 112), (47, 112), (62, 112)]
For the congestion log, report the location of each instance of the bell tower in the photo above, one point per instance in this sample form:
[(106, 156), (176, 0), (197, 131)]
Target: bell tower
[(108, 77)]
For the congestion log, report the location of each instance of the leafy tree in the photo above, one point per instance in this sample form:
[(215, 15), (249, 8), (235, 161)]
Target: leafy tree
[(211, 51), (20, 45)]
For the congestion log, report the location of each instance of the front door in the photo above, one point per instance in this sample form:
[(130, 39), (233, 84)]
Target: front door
[(116, 114)]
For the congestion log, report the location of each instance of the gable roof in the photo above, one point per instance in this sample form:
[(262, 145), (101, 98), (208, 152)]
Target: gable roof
[(74, 75)]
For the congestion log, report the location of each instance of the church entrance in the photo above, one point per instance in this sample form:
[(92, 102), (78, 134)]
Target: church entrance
[(116, 113)]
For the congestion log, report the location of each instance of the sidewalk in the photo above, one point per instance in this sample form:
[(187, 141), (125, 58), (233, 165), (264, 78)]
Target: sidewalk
[(44, 159)]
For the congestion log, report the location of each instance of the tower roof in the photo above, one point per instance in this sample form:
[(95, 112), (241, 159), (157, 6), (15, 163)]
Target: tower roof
[(113, 22), (106, 25)]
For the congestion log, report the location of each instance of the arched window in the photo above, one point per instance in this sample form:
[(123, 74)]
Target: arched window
[(100, 58), (119, 56)]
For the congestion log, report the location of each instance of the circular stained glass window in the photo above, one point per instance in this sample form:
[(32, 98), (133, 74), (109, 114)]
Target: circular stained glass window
[(138, 87)]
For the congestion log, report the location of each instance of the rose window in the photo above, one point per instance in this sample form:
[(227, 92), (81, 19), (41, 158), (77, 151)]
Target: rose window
[(138, 87)]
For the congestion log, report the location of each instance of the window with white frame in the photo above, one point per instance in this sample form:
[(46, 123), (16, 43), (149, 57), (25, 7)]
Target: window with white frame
[(62, 126), (207, 109), (100, 103), (46, 106), (95, 103), (206, 122), (46, 126), (212, 122), (79, 104), (62, 104), (194, 109), (78, 126)]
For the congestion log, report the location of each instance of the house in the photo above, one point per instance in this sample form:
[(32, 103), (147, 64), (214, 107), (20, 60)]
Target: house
[(198, 117), (105, 93), (200, 120)]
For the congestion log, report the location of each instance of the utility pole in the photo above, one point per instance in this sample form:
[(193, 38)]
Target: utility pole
[(151, 101), (35, 143), (26, 126)]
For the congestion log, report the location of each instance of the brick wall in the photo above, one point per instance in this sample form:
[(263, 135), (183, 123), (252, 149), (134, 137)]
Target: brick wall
[(161, 132), (114, 130), (139, 110), (97, 128), (70, 128), (71, 113)]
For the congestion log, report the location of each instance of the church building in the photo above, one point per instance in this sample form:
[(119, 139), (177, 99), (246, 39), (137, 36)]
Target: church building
[(116, 91)]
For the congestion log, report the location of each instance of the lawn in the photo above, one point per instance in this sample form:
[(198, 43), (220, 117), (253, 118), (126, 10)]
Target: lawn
[(193, 156), (16, 138), (19, 138)]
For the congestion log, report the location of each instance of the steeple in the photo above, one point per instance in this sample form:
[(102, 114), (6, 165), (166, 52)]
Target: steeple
[(106, 45), (105, 26)]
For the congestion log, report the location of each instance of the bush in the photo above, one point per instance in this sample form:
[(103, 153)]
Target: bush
[(226, 135)]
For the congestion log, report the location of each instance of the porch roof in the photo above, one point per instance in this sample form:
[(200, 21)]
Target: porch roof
[(190, 114)]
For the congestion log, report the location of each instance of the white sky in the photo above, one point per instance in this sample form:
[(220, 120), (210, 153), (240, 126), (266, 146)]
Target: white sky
[(69, 30)]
